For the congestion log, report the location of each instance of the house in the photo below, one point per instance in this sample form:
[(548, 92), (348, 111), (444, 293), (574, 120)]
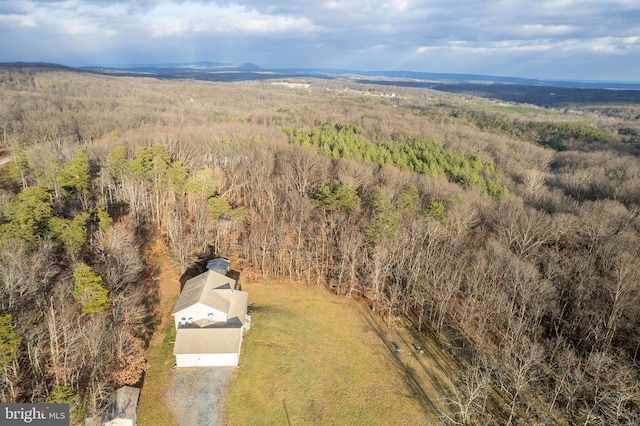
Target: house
[(123, 409), (210, 316)]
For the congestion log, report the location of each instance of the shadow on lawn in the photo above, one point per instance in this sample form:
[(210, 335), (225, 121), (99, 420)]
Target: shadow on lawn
[(409, 375), (434, 350)]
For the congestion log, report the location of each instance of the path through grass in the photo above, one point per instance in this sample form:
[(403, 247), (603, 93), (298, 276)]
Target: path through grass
[(152, 408)]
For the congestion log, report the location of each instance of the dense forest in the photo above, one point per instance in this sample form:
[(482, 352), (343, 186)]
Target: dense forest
[(510, 232)]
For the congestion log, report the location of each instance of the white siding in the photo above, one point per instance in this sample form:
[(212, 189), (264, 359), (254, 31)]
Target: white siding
[(188, 360), (206, 360), (120, 422), (219, 360), (199, 311)]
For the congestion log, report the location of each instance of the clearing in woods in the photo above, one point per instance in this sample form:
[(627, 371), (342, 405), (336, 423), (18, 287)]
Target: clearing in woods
[(313, 357), (310, 357)]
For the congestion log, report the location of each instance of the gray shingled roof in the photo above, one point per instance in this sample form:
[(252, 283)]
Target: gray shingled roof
[(207, 340), (125, 403), (214, 290), (209, 288), (235, 316), (219, 265), (237, 309)]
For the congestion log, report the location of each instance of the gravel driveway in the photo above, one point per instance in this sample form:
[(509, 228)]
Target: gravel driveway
[(195, 395)]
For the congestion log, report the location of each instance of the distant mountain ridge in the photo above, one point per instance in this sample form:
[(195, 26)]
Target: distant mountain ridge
[(195, 66), (203, 69)]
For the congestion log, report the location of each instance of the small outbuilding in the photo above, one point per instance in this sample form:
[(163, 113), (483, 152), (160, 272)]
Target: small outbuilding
[(123, 409), (219, 265)]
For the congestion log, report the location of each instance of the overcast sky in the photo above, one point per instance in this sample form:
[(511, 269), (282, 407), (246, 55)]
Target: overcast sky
[(551, 39)]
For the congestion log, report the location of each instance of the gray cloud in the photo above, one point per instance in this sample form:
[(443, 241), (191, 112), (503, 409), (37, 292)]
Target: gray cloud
[(549, 39)]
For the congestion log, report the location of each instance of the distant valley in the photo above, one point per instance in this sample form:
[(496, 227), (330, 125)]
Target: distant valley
[(546, 93)]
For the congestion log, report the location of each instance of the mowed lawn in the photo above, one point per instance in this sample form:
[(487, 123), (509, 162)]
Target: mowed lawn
[(312, 357)]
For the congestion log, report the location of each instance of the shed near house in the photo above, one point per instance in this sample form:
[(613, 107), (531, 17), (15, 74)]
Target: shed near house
[(123, 409), (219, 265), (209, 316)]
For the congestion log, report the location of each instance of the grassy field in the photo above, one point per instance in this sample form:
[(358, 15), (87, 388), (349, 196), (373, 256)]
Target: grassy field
[(315, 358)]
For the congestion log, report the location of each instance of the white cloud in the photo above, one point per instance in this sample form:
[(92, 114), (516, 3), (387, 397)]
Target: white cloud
[(28, 23), (540, 30), (615, 45), (399, 6), (17, 21), (202, 18)]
